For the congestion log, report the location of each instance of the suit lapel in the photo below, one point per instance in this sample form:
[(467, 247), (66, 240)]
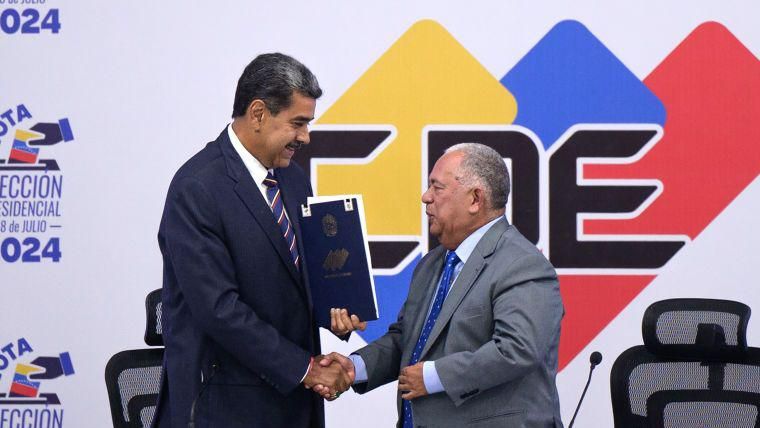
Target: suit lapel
[(249, 193), (466, 279)]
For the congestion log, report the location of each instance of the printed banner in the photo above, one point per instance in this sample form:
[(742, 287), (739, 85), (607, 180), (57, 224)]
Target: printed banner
[(630, 133)]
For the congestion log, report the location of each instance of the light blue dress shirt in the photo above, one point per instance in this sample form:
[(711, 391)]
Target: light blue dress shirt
[(429, 373)]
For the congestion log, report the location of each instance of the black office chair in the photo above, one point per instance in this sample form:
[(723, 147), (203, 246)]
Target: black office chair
[(133, 377), (694, 363), (730, 409), (153, 329)]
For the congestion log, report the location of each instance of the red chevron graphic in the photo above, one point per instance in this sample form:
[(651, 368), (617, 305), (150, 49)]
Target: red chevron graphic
[(710, 86)]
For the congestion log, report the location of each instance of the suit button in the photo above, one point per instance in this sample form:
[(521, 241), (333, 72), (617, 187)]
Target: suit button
[(469, 394)]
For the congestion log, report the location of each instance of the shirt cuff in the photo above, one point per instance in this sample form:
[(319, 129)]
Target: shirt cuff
[(311, 361), (360, 369), (430, 377)]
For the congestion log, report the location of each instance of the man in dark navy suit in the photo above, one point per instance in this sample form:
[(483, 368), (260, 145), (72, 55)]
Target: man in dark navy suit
[(237, 315)]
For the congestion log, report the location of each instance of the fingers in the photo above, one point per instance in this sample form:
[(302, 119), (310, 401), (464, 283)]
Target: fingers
[(325, 361), (344, 362), (358, 324), (320, 375), (339, 380), (409, 395), (329, 379), (324, 392), (341, 367), (334, 322), (403, 383), (411, 383), (340, 324), (345, 320), (407, 392)]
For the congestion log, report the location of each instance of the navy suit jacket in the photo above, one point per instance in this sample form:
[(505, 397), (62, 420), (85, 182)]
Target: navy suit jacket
[(237, 314)]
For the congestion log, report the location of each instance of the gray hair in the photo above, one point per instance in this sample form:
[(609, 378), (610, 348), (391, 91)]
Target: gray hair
[(483, 166), (273, 78)]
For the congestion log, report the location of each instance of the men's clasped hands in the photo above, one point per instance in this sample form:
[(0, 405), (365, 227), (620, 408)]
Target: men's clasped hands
[(328, 377), (332, 374)]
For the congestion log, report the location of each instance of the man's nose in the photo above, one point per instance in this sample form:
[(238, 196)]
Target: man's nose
[(426, 199), (303, 136)]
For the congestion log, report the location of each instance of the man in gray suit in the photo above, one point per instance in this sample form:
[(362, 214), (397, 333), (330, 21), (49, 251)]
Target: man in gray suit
[(476, 340)]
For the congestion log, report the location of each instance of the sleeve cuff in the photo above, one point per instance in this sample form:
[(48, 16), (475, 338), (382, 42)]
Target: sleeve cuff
[(311, 361), (430, 377), (360, 369)]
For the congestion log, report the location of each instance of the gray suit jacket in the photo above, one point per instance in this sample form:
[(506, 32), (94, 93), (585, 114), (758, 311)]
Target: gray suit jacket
[(494, 344)]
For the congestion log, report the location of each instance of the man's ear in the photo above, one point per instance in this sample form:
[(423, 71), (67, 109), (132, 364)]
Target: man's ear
[(477, 200), (255, 114)]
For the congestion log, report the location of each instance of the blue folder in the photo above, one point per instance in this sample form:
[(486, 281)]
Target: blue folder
[(336, 258)]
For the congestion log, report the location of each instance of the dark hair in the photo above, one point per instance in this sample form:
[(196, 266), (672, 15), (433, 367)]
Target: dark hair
[(272, 78)]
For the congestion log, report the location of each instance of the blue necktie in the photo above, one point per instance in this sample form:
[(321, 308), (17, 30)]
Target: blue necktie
[(443, 288), (278, 209)]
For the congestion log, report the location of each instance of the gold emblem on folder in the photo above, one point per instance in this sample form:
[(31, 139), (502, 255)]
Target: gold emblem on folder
[(330, 225), (335, 259)]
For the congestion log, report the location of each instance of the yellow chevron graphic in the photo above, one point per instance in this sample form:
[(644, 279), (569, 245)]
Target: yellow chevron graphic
[(425, 78)]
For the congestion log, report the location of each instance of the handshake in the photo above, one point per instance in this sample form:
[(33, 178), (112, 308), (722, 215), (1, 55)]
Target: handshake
[(330, 375)]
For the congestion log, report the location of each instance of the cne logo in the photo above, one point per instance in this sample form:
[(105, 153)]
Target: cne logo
[(612, 175)]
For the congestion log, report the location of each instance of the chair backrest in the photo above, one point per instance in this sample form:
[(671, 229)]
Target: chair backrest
[(707, 409), (701, 329), (690, 345), (133, 380), (153, 328)]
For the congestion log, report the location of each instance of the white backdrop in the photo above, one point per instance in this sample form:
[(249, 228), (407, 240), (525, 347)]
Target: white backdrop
[(146, 84)]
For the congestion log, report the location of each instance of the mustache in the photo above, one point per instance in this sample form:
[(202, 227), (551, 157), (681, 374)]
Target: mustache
[(295, 145)]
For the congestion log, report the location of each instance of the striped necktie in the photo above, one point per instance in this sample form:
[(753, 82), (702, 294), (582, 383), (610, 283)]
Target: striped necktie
[(452, 260), (278, 209)]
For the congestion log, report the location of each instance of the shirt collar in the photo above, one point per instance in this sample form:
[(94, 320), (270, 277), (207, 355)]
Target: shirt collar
[(468, 245), (254, 167)]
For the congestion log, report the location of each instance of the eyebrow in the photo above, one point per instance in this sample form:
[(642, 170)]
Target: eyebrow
[(302, 119)]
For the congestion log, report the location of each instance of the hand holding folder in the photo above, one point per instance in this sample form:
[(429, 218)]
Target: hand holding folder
[(336, 257), (341, 324)]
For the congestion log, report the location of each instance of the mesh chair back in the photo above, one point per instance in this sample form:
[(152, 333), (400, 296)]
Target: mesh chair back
[(703, 329), (153, 327), (691, 345), (133, 380), (708, 409)]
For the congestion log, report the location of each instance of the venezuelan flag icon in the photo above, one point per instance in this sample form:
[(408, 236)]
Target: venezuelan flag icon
[(22, 386), (21, 153)]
